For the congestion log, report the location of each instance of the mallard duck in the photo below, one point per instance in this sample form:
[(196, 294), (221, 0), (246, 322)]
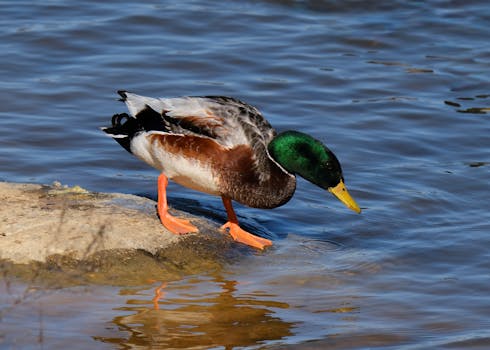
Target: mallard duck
[(224, 147)]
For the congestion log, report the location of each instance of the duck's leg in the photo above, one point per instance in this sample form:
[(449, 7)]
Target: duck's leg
[(173, 224), (237, 233)]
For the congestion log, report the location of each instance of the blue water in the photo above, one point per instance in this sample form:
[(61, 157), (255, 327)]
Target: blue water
[(400, 91)]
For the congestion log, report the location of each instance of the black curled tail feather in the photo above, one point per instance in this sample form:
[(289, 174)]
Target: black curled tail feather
[(117, 118), (123, 132), (145, 121)]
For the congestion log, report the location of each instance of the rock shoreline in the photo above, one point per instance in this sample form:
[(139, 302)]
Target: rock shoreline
[(39, 221)]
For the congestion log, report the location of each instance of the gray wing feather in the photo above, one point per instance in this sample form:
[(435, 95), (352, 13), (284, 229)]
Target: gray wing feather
[(227, 120)]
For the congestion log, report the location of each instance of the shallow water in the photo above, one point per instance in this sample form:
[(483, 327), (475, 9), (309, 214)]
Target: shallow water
[(399, 91)]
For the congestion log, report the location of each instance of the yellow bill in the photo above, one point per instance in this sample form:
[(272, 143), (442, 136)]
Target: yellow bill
[(343, 195)]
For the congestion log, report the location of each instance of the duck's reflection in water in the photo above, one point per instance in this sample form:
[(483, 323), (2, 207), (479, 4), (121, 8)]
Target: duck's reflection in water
[(200, 313)]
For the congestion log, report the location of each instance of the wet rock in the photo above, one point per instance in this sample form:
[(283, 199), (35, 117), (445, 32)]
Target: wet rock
[(38, 222)]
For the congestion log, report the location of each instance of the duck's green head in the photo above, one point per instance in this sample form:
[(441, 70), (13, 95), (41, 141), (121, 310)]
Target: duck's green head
[(301, 154)]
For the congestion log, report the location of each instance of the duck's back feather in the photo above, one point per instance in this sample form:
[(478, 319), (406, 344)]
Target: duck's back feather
[(228, 121)]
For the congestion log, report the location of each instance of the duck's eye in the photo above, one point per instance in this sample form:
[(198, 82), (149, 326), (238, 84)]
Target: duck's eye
[(329, 166)]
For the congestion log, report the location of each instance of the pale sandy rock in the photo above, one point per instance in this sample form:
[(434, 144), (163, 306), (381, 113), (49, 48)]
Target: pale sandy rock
[(40, 221)]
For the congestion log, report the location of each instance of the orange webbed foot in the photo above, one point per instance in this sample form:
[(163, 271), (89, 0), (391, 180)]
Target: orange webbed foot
[(176, 225), (173, 224), (245, 237)]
